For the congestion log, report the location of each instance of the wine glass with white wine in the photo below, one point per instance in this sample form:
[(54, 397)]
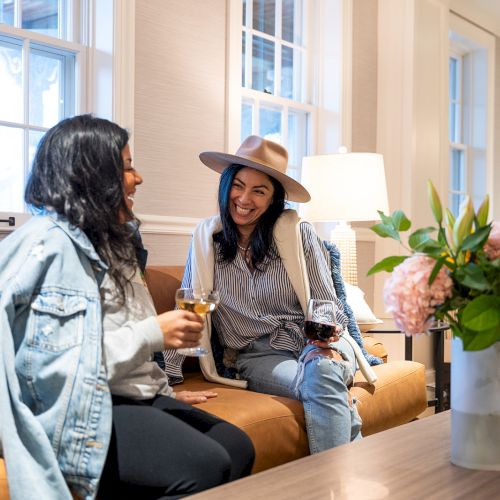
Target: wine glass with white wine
[(201, 302)]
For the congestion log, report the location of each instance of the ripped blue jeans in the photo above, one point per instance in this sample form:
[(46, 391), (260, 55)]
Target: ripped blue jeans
[(319, 382)]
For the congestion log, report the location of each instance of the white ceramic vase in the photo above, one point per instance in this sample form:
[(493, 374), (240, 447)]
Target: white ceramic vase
[(475, 407)]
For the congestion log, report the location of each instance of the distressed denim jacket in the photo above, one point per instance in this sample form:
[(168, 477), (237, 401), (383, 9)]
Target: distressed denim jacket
[(55, 405)]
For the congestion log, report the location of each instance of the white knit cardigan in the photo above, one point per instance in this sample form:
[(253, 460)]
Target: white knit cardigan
[(288, 240)]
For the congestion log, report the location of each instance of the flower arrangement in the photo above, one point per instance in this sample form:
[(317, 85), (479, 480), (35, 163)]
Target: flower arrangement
[(454, 276)]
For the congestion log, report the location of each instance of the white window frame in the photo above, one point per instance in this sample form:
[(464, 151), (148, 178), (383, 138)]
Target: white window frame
[(328, 85), (104, 68), (458, 145), (470, 41)]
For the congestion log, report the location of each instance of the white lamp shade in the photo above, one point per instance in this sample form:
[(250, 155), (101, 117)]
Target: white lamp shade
[(345, 186)]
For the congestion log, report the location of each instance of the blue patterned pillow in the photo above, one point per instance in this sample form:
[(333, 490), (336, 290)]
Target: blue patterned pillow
[(338, 284)]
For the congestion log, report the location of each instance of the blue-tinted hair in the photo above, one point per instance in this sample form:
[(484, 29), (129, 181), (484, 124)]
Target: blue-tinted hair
[(261, 240)]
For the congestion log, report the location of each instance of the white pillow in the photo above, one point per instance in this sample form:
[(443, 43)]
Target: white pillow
[(365, 317)]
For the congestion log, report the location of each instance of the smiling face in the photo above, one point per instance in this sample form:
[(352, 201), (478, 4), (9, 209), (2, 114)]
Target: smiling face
[(131, 178), (250, 196)]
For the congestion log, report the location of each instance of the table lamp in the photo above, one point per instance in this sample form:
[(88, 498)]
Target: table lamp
[(344, 187)]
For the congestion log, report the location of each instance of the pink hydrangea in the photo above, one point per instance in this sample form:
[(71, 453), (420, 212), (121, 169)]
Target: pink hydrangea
[(492, 247), (408, 296)]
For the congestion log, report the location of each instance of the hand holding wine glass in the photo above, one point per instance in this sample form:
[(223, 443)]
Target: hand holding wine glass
[(320, 322), (201, 302)]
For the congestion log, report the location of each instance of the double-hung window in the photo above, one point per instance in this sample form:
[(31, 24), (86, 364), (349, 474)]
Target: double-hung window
[(41, 73), (276, 61), (288, 90), (470, 113)]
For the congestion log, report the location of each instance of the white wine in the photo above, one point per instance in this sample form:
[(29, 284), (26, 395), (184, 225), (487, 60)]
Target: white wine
[(198, 306)]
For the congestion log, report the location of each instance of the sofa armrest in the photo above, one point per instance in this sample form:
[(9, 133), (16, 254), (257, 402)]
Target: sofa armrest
[(375, 347), (162, 282)]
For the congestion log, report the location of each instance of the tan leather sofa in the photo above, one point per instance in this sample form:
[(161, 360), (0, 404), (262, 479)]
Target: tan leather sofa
[(276, 424)]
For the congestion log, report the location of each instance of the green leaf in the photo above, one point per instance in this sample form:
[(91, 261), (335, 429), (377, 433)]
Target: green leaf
[(442, 236), (435, 202), (401, 222), (477, 341), (472, 276), (419, 237), (387, 264), (431, 247), (386, 231), (386, 219), (482, 314), (435, 270), (477, 239), (482, 213)]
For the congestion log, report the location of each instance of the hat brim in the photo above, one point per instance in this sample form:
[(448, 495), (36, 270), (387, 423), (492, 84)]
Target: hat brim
[(220, 161)]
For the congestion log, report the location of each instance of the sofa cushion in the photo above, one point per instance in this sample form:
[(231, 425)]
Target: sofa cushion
[(397, 397), (276, 425)]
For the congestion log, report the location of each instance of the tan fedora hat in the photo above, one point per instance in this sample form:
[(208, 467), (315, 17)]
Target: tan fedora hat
[(267, 156)]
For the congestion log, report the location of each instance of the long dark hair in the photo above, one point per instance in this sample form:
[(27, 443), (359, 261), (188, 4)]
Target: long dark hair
[(261, 241), (78, 172)]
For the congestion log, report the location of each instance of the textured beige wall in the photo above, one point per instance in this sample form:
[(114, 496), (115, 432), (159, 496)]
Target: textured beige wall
[(364, 76), (364, 113), (166, 249), (179, 103), (496, 151)]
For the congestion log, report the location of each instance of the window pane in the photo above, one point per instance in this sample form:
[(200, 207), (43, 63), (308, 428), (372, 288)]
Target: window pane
[(11, 170), (455, 202), (291, 71), (11, 76), (263, 65), (287, 72), (453, 122), (246, 120), (41, 16), (46, 104), (457, 173), (297, 138), (264, 15), (244, 7), (243, 58), (270, 124), (34, 139), (453, 78), (287, 18), (7, 12)]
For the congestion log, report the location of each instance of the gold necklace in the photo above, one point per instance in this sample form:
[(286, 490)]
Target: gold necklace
[(241, 248)]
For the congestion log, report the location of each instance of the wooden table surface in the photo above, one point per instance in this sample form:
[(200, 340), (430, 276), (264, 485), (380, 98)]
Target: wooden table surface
[(408, 462)]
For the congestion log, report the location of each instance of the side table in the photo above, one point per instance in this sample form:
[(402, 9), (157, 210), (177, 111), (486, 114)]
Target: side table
[(441, 399)]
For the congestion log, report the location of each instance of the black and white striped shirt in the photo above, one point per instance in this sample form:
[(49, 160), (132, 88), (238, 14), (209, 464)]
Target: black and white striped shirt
[(257, 303)]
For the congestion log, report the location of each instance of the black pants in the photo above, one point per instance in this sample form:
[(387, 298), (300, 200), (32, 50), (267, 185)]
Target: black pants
[(164, 448)]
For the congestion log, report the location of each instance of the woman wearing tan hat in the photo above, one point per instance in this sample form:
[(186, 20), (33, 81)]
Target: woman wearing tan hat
[(266, 264)]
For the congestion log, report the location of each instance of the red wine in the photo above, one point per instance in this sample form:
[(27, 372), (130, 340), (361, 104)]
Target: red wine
[(319, 331)]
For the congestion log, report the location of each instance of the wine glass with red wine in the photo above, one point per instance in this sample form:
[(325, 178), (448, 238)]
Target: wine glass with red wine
[(320, 322)]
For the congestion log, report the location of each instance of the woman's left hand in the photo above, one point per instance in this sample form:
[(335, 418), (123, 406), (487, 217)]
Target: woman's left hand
[(194, 397)]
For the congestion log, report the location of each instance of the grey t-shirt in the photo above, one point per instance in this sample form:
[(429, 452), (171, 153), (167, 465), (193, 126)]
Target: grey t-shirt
[(131, 336)]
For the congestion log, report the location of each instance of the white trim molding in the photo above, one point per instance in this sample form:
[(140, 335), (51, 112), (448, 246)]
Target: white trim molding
[(165, 224), (168, 224)]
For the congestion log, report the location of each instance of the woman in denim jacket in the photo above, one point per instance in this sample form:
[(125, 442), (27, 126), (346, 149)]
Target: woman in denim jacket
[(61, 422)]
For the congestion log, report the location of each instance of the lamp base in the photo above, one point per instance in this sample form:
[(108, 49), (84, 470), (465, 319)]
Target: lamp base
[(344, 236)]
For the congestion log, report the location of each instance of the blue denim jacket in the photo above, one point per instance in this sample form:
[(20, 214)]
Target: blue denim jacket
[(55, 406)]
